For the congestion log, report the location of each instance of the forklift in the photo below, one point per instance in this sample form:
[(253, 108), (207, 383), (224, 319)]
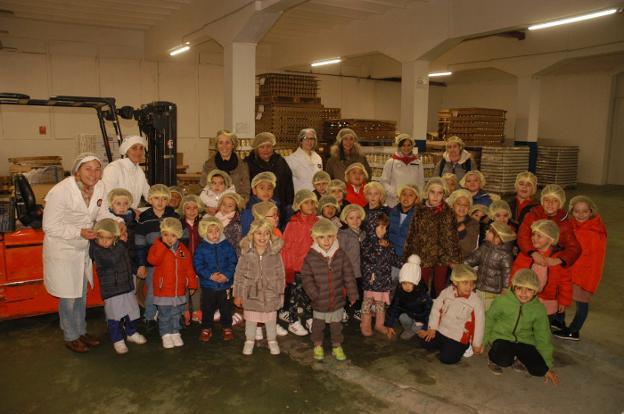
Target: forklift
[(22, 292)]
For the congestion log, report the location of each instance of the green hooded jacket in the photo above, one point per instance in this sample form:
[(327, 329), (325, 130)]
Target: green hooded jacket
[(527, 323)]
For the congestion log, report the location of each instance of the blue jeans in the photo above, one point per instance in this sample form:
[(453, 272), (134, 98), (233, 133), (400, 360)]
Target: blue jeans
[(582, 309), (73, 315), (169, 319), (150, 308)]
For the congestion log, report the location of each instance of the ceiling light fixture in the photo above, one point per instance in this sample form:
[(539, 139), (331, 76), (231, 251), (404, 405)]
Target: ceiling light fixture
[(179, 49), (326, 62), (573, 19), (438, 74)]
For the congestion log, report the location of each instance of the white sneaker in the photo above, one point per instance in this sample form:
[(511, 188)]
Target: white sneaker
[(284, 316), (248, 348), (280, 331), (469, 352), (137, 338), (167, 341), (120, 347), (274, 348), (217, 316), (309, 324), (297, 329), (259, 336), (176, 338)]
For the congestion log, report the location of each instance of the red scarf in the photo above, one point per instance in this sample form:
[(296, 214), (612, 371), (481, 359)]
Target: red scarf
[(407, 159), (437, 209)]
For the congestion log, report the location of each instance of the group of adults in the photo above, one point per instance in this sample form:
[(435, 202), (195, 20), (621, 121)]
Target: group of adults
[(76, 203)]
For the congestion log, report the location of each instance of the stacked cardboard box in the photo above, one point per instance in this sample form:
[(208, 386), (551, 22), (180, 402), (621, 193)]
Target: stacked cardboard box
[(557, 165), (475, 126), (500, 165)]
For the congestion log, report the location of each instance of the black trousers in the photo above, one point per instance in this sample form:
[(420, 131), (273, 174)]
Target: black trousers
[(503, 353), (451, 351), (213, 300)]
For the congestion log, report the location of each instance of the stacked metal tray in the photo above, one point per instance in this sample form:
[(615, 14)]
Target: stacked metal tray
[(500, 165), (557, 164)]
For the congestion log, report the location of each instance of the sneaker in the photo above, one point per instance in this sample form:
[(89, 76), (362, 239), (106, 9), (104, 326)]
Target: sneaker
[(495, 369), (338, 353), (248, 348), (555, 324), (319, 353), (187, 318), (217, 316), (567, 335), (259, 335), (297, 329), (281, 331), (137, 338), (357, 315), (274, 348), (518, 366), (176, 338), (309, 325), (167, 341), (228, 334), (408, 334), (120, 347), (469, 352), (345, 316), (205, 335), (284, 316), (196, 316)]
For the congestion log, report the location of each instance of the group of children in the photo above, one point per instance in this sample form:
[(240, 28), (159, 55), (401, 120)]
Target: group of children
[(343, 255)]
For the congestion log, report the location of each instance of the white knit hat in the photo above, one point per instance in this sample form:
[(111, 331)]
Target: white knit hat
[(130, 141), (410, 272)]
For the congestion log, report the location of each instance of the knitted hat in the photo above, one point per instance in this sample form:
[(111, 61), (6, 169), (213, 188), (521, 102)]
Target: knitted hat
[(321, 177), (338, 184), (171, 225), (410, 272), (463, 273), (260, 210), (527, 176), (349, 209), (477, 173), (503, 231), (159, 190), (107, 225), (128, 142), (119, 193), (409, 187), (548, 228), (344, 132), (328, 200), (323, 227), (187, 199), (266, 176), (226, 133), (227, 181), (553, 190), (83, 158), (499, 205), (206, 222), (356, 165), (301, 196), (479, 207), (376, 185), (240, 203), (455, 139), (177, 189), (526, 278), (457, 194), (583, 199), (263, 138), (398, 140), (435, 181)]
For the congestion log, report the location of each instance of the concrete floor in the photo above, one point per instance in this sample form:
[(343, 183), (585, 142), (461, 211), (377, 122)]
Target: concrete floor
[(40, 376)]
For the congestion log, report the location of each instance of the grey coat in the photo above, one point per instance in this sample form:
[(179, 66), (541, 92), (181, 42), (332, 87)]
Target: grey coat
[(259, 281), (350, 242), (494, 266)]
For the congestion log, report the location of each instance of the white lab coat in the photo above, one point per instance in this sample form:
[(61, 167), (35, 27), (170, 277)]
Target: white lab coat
[(396, 174), (66, 259), (124, 173), (303, 168)]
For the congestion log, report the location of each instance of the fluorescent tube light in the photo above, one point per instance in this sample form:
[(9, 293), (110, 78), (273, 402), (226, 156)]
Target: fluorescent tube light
[(326, 62), (179, 49), (437, 74), (573, 19)]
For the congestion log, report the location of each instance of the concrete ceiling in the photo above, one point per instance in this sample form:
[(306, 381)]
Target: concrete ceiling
[(608, 63)]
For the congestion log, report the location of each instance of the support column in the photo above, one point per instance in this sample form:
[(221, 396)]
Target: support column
[(415, 100), (527, 116), (240, 88)]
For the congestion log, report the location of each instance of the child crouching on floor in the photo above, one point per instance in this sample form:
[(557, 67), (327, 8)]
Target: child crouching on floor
[(518, 330), (325, 275), (259, 283)]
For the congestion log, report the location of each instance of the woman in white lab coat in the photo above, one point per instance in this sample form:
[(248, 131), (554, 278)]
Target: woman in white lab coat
[(126, 172), (404, 167), (305, 162), (72, 207)]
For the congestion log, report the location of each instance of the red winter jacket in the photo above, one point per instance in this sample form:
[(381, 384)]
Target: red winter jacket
[(297, 242), (592, 235), (356, 198), (173, 273), (559, 284), (571, 249)]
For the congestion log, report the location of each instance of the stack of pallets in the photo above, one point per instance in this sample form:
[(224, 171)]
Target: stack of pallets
[(475, 126), (557, 165), (500, 165)]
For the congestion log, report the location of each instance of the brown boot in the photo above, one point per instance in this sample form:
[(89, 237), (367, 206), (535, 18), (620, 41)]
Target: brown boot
[(90, 340), (380, 318), (365, 324), (77, 346)]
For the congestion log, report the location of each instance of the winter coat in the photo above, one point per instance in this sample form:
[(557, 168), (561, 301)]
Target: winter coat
[(571, 249), (219, 257), (396, 174), (482, 198), (433, 236), (350, 242), (190, 236), (148, 230), (465, 164), (233, 232), (123, 173), (114, 268), (131, 227), (377, 263), (239, 174), (416, 304), (587, 270), (303, 168), (469, 236), (494, 264), (259, 279), (211, 199), (512, 321), (372, 216), (519, 209), (246, 216), (337, 165), (356, 197), (559, 284), (325, 281), (458, 318), (297, 242), (284, 191), (397, 230), (173, 271)]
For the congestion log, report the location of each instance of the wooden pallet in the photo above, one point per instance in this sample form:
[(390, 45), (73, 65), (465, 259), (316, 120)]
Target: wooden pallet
[(272, 99)]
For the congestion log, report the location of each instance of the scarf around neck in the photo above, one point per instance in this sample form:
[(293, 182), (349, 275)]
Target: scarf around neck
[(227, 166), (406, 159), (326, 254)]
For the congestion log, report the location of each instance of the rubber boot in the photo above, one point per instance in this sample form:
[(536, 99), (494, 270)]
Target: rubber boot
[(365, 324)]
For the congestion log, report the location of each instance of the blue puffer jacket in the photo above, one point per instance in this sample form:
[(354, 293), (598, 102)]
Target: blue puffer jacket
[(215, 257), (397, 231), (482, 198), (246, 217)]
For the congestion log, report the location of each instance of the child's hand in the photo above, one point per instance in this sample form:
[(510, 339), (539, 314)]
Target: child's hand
[(461, 227), (124, 235), (427, 335), (384, 243), (390, 334), (137, 213), (142, 272), (192, 292), (561, 308), (88, 234), (552, 377), (553, 261), (238, 302), (478, 350), (538, 258)]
